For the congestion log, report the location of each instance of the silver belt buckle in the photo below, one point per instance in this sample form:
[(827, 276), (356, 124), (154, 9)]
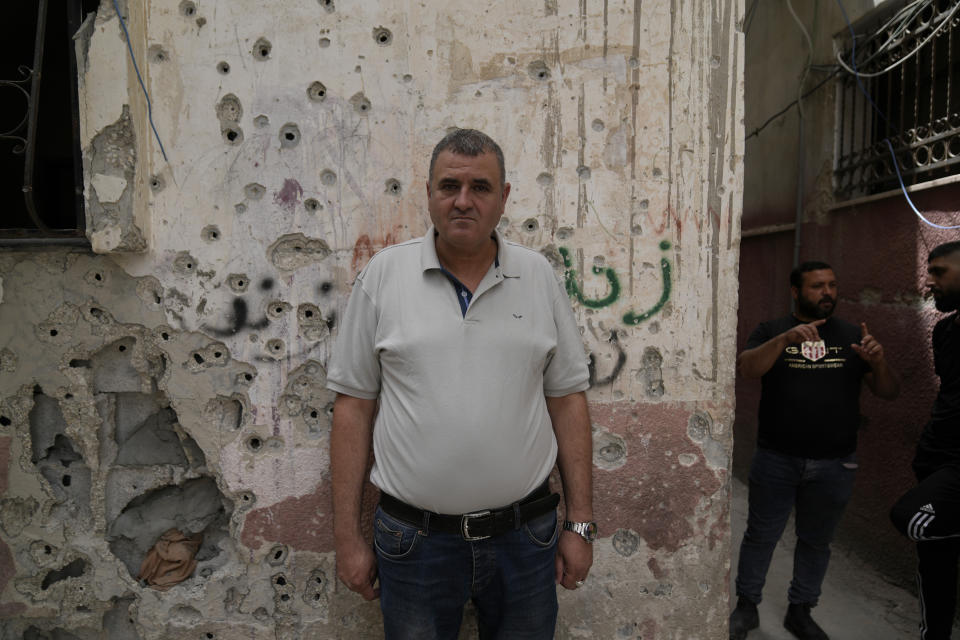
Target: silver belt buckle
[(465, 525)]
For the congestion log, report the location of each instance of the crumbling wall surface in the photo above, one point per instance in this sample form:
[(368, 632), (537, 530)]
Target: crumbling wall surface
[(179, 381)]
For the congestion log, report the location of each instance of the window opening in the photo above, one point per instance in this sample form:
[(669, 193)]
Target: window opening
[(41, 171)]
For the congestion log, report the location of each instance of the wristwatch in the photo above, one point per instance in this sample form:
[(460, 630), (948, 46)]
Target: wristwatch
[(586, 530)]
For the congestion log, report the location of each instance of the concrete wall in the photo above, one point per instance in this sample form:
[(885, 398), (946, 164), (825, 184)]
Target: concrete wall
[(176, 379), (877, 246)]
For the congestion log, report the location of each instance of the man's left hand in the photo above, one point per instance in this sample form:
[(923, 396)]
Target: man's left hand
[(574, 557), (868, 349)]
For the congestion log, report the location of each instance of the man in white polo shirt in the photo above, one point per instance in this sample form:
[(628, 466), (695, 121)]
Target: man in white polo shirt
[(459, 358)]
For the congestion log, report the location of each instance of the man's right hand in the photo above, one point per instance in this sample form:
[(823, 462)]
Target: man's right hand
[(357, 568), (804, 332)]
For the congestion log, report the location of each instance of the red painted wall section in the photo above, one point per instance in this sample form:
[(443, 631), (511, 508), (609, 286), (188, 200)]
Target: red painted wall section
[(652, 493), (879, 252)]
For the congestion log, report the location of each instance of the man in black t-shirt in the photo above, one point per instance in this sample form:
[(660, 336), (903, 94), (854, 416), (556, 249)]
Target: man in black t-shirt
[(811, 367), (929, 514)]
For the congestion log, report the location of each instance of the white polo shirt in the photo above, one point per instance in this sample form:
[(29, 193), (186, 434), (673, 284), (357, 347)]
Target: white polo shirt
[(463, 422)]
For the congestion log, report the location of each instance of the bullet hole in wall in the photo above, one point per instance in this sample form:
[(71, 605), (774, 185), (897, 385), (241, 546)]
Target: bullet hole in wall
[(184, 264), (238, 282), (326, 288), (210, 233), (261, 49), (229, 109), (530, 225), (538, 70), (239, 208), (289, 136), (261, 121), (597, 125), (223, 68), (393, 187), (233, 135), (188, 9), (312, 205), (360, 102), (583, 172), (201, 21), (254, 191), (276, 347), (277, 308), (254, 443), (156, 53), (545, 179), (266, 284), (328, 177), (277, 555), (382, 36), (317, 92), (157, 183), (5, 421), (327, 5), (324, 43)]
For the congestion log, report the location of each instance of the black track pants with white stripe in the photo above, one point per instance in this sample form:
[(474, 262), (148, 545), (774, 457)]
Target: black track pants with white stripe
[(929, 514)]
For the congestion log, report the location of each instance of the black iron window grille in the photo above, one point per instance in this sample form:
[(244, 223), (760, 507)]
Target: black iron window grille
[(908, 63), (41, 173)]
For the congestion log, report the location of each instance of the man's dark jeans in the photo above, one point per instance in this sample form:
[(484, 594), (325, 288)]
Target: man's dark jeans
[(427, 578), (819, 489)]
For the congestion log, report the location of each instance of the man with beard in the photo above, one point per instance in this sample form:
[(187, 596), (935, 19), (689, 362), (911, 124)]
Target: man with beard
[(929, 514), (811, 366)]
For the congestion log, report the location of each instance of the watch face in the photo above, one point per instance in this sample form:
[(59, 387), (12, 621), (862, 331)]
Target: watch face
[(590, 531)]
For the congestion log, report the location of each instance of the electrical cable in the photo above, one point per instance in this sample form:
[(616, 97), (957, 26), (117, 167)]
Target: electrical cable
[(893, 155), (140, 78), (767, 122), (896, 64)]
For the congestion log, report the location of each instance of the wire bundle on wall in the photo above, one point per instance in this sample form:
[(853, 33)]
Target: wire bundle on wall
[(898, 25)]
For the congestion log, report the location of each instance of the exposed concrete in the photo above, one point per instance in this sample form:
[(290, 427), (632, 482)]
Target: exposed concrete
[(188, 365)]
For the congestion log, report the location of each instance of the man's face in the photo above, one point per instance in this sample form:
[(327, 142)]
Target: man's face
[(465, 199), (943, 281), (817, 296)]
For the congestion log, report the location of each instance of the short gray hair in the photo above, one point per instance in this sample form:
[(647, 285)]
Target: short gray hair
[(469, 142)]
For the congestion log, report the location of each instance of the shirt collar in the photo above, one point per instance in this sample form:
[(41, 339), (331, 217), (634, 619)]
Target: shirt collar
[(429, 259)]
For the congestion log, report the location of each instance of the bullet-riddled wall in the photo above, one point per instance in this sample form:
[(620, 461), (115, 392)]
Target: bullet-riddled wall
[(174, 378)]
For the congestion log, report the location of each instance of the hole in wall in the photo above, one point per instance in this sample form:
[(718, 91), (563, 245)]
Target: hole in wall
[(223, 67), (327, 5), (233, 135), (188, 9), (289, 136), (262, 49), (538, 70), (324, 43), (254, 191), (210, 233), (393, 187), (157, 183), (382, 36), (317, 92), (530, 225), (156, 53), (328, 177), (312, 205), (73, 570), (360, 103)]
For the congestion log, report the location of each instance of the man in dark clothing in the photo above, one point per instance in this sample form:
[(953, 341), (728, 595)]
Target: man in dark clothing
[(811, 367), (929, 513)]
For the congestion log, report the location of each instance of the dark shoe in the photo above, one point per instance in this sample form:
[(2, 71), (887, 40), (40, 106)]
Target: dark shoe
[(743, 619), (799, 623)]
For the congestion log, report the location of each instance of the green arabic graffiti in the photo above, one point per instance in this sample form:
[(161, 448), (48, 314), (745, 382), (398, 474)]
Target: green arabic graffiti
[(631, 318), (573, 289)]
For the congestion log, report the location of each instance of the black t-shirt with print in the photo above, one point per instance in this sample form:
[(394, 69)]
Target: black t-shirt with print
[(810, 397)]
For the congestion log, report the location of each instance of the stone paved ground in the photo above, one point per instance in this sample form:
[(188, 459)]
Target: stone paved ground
[(857, 603)]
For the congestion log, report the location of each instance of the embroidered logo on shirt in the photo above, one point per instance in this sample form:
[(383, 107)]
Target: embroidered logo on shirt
[(813, 351)]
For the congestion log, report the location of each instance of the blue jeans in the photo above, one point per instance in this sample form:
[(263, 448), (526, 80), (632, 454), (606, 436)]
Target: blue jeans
[(819, 489), (427, 577)]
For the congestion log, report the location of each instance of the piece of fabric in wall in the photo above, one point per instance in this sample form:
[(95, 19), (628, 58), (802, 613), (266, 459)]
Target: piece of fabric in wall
[(171, 560)]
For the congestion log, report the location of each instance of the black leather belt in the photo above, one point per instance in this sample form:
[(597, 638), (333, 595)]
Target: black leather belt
[(478, 525)]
